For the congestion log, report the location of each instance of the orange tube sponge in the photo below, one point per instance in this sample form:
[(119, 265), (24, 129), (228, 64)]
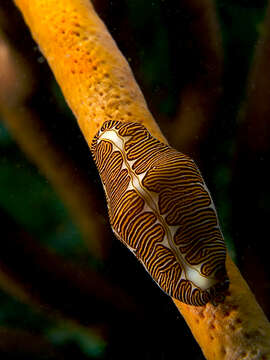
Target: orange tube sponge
[(94, 76), (237, 329), (98, 85)]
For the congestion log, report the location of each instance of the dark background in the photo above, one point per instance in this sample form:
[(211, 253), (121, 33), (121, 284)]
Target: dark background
[(47, 312)]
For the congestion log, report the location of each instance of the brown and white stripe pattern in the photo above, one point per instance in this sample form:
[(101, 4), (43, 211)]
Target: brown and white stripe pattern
[(160, 207)]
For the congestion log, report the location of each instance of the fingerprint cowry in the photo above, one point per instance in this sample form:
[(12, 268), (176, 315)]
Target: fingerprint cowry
[(161, 209)]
